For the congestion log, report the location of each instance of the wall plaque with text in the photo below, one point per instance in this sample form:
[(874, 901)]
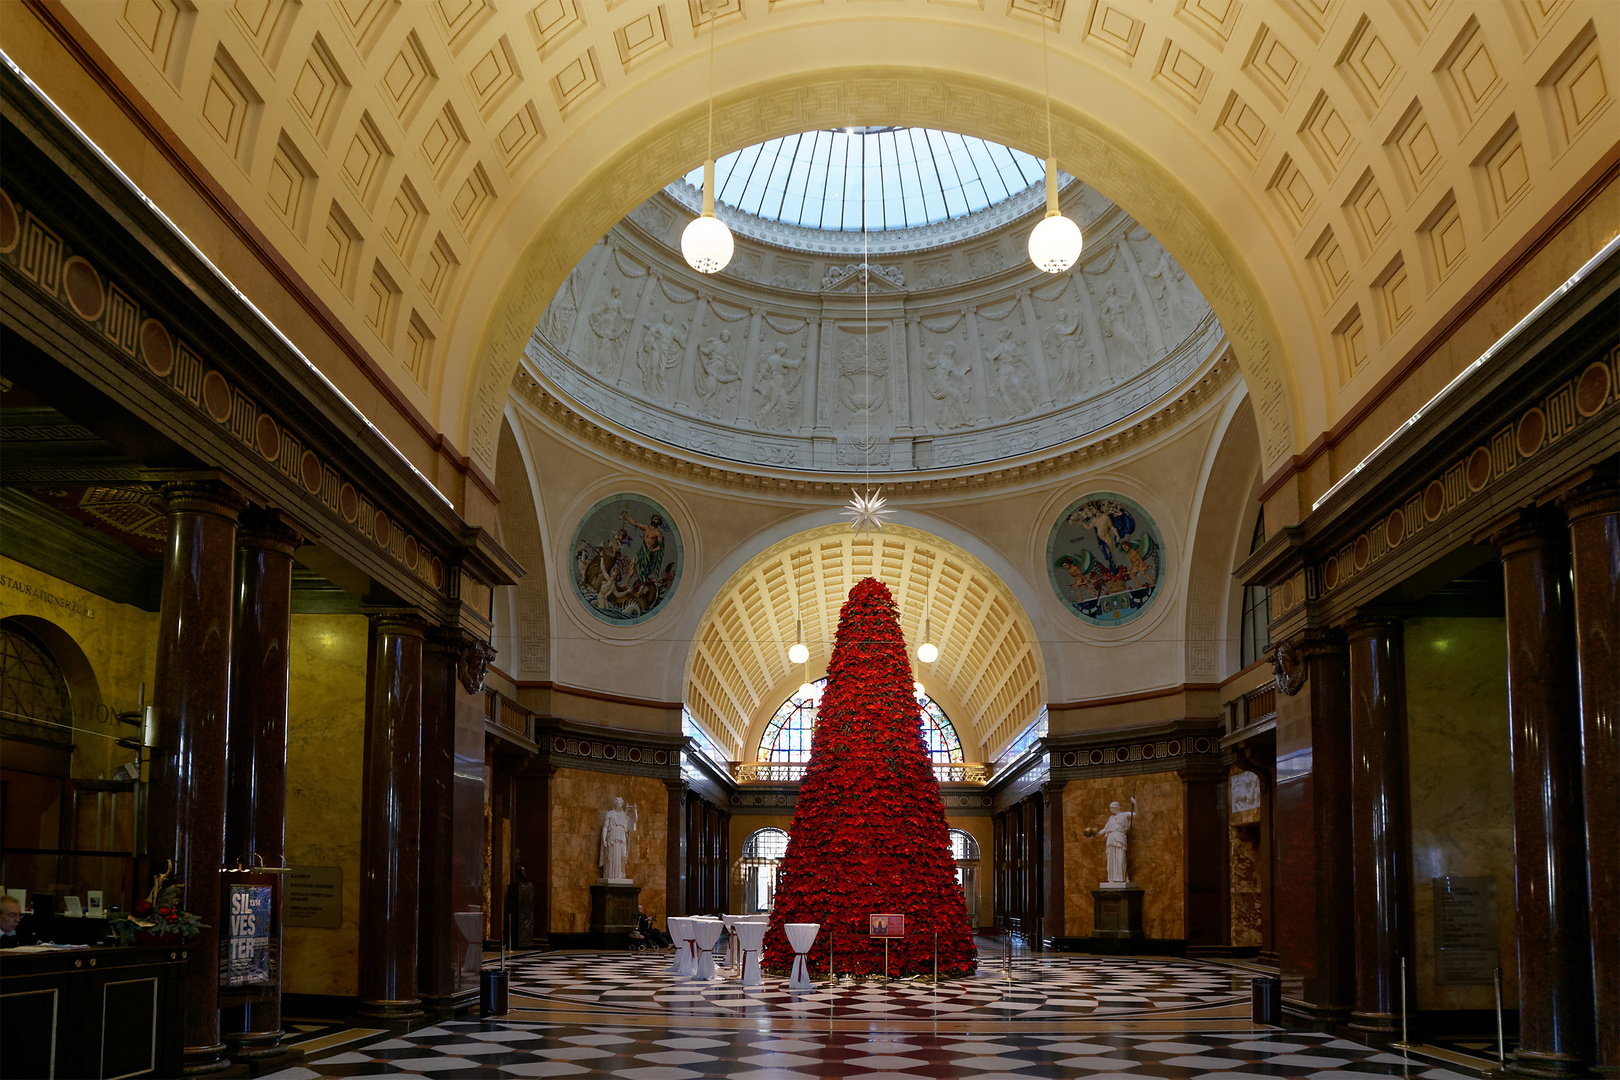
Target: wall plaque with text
[(315, 897), (1465, 938)]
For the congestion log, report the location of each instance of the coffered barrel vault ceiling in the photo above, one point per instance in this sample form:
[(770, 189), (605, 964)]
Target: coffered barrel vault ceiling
[(990, 676), (1332, 175)]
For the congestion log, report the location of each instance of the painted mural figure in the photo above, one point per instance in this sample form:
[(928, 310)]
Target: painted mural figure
[(618, 578), (949, 384), (1106, 559), (616, 826), (716, 374)]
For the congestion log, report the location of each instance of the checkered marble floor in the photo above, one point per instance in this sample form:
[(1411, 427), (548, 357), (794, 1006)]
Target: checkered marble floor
[(764, 1052), (1055, 987)]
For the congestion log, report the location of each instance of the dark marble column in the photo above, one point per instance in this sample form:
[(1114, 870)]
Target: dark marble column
[(1052, 837), (1555, 957), (186, 808), (256, 785), (1206, 857), (1380, 829), (1594, 534), (450, 932), (390, 820), (675, 864), (1312, 887)]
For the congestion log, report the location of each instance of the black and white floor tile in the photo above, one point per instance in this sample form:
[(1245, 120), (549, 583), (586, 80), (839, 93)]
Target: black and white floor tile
[(1065, 987), (758, 1052)]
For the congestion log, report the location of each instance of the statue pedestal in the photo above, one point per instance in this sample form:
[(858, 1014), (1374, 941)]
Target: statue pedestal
[(613, 913), (1117, 914)]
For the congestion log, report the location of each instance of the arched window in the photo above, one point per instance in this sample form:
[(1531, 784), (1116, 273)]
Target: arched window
[(965, 850), (761, 861), (787, 736), (1256, 606), (963, 846), (32, 687)]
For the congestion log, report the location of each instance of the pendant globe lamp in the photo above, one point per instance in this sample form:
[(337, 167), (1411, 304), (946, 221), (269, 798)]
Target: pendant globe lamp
[(706, 244), (1054, 243)]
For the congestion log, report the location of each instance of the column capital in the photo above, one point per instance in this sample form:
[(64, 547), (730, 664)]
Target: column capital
[(1528, 528), (1375, 622), (269, 530), (398, 620), (1595, 497), (202, 494)]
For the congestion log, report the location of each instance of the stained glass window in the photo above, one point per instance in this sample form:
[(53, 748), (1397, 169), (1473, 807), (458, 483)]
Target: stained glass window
[(787, 736)]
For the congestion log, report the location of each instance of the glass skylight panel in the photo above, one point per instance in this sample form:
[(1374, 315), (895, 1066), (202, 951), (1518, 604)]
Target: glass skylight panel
[(906, 177)]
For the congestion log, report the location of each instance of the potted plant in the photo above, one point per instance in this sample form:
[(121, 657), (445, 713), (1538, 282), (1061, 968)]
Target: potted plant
[(159, 919)]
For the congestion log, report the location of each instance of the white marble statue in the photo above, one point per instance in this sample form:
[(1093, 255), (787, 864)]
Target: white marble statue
[(1116, 833), (616, 826)]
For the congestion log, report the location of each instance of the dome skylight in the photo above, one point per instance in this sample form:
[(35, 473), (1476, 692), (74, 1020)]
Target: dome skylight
[(909, 177)]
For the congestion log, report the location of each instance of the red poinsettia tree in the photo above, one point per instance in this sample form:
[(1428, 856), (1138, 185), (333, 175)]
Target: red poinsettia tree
[(869, 834)]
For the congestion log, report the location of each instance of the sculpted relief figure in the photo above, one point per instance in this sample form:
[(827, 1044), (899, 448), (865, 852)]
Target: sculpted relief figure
[(1122, 325), (1012, 375), (1167, 281), (616, 826), (862, 367), (776, 387), (717, 374), (949, 384), (611, 326), (662, 349), (1069, 358)]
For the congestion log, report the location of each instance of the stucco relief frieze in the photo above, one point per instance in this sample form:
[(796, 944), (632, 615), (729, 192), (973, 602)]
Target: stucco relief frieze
[(899, 375)]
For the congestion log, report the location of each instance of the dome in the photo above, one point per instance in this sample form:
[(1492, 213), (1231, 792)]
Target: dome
[(943, 354)]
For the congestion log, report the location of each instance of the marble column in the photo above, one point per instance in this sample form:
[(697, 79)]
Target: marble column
[(1380, 829), (1555, 958), (186, 801), (1206, 855), (1052, 841), (1312, 886), (390, 819), (450, 932), (256, 783), (1594, 534), (529, 795), (675, 856)]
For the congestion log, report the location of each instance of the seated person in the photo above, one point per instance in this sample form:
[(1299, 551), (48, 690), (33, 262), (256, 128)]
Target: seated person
[(655, 937), (12, 935)]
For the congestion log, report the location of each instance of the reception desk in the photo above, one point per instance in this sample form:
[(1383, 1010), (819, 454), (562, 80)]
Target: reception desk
[(104, 1011)]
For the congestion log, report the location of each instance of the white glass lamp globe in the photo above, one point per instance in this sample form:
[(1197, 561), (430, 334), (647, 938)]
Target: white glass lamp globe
[(1054, 243), (806, 690), (707, 244), (798, 653), (928, 652)]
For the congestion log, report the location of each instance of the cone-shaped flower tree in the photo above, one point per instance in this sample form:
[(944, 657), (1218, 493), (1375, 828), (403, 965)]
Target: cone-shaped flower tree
[(869, 832)]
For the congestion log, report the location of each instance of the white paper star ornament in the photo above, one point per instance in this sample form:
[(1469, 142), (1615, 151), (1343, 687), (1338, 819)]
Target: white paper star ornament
[(866, 511)]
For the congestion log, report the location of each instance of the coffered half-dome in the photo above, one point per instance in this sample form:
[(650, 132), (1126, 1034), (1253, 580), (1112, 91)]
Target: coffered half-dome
[(923, 358)]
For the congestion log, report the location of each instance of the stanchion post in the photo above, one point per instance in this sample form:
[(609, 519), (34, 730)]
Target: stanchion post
[(936, 960), (1404, 1044), (1501, 1041)]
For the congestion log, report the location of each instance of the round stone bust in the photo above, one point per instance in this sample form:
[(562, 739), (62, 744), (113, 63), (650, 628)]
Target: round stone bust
[(923, 347)]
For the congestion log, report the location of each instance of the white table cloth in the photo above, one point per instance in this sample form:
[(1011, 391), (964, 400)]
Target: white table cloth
[(706, 931), (750, 937), (801, 935), (685, 949)]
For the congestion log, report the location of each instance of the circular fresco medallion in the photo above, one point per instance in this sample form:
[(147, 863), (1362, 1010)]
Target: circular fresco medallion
[(626, 559), (1105, 559)]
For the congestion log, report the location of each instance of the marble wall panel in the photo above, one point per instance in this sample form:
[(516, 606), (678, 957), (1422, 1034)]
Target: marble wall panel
[(1156, 858), (1243, 847), (1461, 787), (579, 798), (326, 736)]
